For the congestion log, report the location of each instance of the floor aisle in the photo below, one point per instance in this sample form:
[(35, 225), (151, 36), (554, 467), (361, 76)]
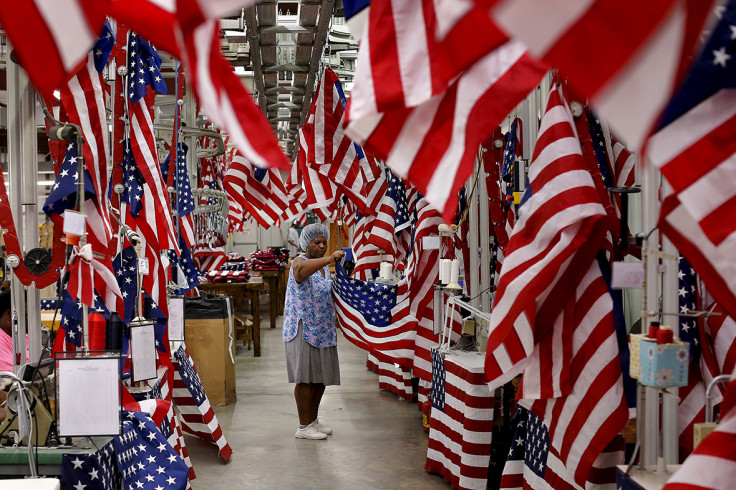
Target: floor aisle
[(378, 441)]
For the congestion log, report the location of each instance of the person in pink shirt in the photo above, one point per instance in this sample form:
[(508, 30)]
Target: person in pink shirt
[(6, 333), (6, 343)]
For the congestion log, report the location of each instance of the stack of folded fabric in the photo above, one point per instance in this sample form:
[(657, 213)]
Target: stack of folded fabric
[(281, 252), (231, 272), (264, 260), (234, 257)]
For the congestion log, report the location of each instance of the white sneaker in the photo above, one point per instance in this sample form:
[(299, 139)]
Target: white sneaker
[(322, 428), (310, 432)]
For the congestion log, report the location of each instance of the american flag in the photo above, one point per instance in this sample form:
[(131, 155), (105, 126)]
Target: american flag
[(356, 16), (392, 218), (574, 383), (103, 47), (217, 88), (439, 96), (186, 272), (63, 194), (367, 256), (438, 380), (459, 446), (365, 312), (133, 183), (93, 471), (694, 150), (295, 192), (126, 272), (531, 463), (553, 243), (145, 457), (71, 318), (713, 463), (158, 226), (331, 152), (64, 31), (208, 259), (623, 71), (144, 65), (198, 417), (260, 191)]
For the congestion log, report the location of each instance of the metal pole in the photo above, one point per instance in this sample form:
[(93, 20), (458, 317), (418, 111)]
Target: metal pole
[(473, 275), (484, 233), (670, 302), (18, 91), (648, 409)]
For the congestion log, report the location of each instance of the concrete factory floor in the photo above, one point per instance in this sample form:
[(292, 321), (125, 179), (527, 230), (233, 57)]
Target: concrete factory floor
[(378, 441)]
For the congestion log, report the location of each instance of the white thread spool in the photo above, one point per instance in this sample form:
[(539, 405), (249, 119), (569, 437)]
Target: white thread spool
[(445, 268), (386, 270), (454, 271)]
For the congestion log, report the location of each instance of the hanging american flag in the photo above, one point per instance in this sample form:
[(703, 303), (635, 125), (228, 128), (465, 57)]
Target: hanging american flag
[(553, 243), (623, 71), (133, 183), (93, 471), (145, 457), (365, 312), (434, 145), (103, 47), (63, 194), (512, 151), (392, 218), (573, 381), (198, 417), (64, 31), (331, 152), (259, 191), (144, 65), (695, 152), (71, 317), (126, 272)]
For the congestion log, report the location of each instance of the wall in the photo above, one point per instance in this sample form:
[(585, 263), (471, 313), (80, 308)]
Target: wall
[(256, 237)]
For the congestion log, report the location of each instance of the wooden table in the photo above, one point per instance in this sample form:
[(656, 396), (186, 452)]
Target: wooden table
[(276, 297), (240, 290)]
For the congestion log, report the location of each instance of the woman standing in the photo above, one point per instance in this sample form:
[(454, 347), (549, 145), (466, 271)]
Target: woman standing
[(309, 329)]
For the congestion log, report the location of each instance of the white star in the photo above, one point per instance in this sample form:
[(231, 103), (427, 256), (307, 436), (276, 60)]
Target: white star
[(161, 469), (171, 480), (151, 459), (151, 436), (172, 458), (93, 475), (79, 486), (150, 477), (721, 57), (733, 32), (77, 463)]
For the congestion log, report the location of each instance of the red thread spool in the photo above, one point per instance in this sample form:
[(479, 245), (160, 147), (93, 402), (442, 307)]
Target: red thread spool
[(665, 336), (653, 330)]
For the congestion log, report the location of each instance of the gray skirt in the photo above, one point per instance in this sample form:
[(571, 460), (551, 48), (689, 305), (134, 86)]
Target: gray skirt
[(308, 364)]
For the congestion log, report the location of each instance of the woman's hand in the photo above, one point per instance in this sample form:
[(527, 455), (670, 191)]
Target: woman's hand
[(336, 255)]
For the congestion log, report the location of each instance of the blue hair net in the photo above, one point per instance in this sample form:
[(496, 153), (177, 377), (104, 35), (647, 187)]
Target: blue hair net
[(310, 232)]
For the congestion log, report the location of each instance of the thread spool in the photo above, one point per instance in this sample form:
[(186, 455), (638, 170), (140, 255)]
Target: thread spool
[(454, 271), (653, 329), (445, 268), (665, 335), (386, 270)]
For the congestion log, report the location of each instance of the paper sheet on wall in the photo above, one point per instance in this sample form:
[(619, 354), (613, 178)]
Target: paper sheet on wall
[(176, 319), (88, 397), (143, 352)]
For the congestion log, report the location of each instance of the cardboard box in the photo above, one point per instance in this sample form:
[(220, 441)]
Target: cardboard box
[(663, 364), (208, 342)]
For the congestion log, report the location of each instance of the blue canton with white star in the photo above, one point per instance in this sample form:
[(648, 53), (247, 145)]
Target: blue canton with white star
[(687, 296), (63, 193), (145, 458), (438, 380), (373, 300), (94, 471), (531, 442), (133, 182), (714, 70), (103, 47), (397, 191), (190, 377), (71, 316), (144, 64)]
